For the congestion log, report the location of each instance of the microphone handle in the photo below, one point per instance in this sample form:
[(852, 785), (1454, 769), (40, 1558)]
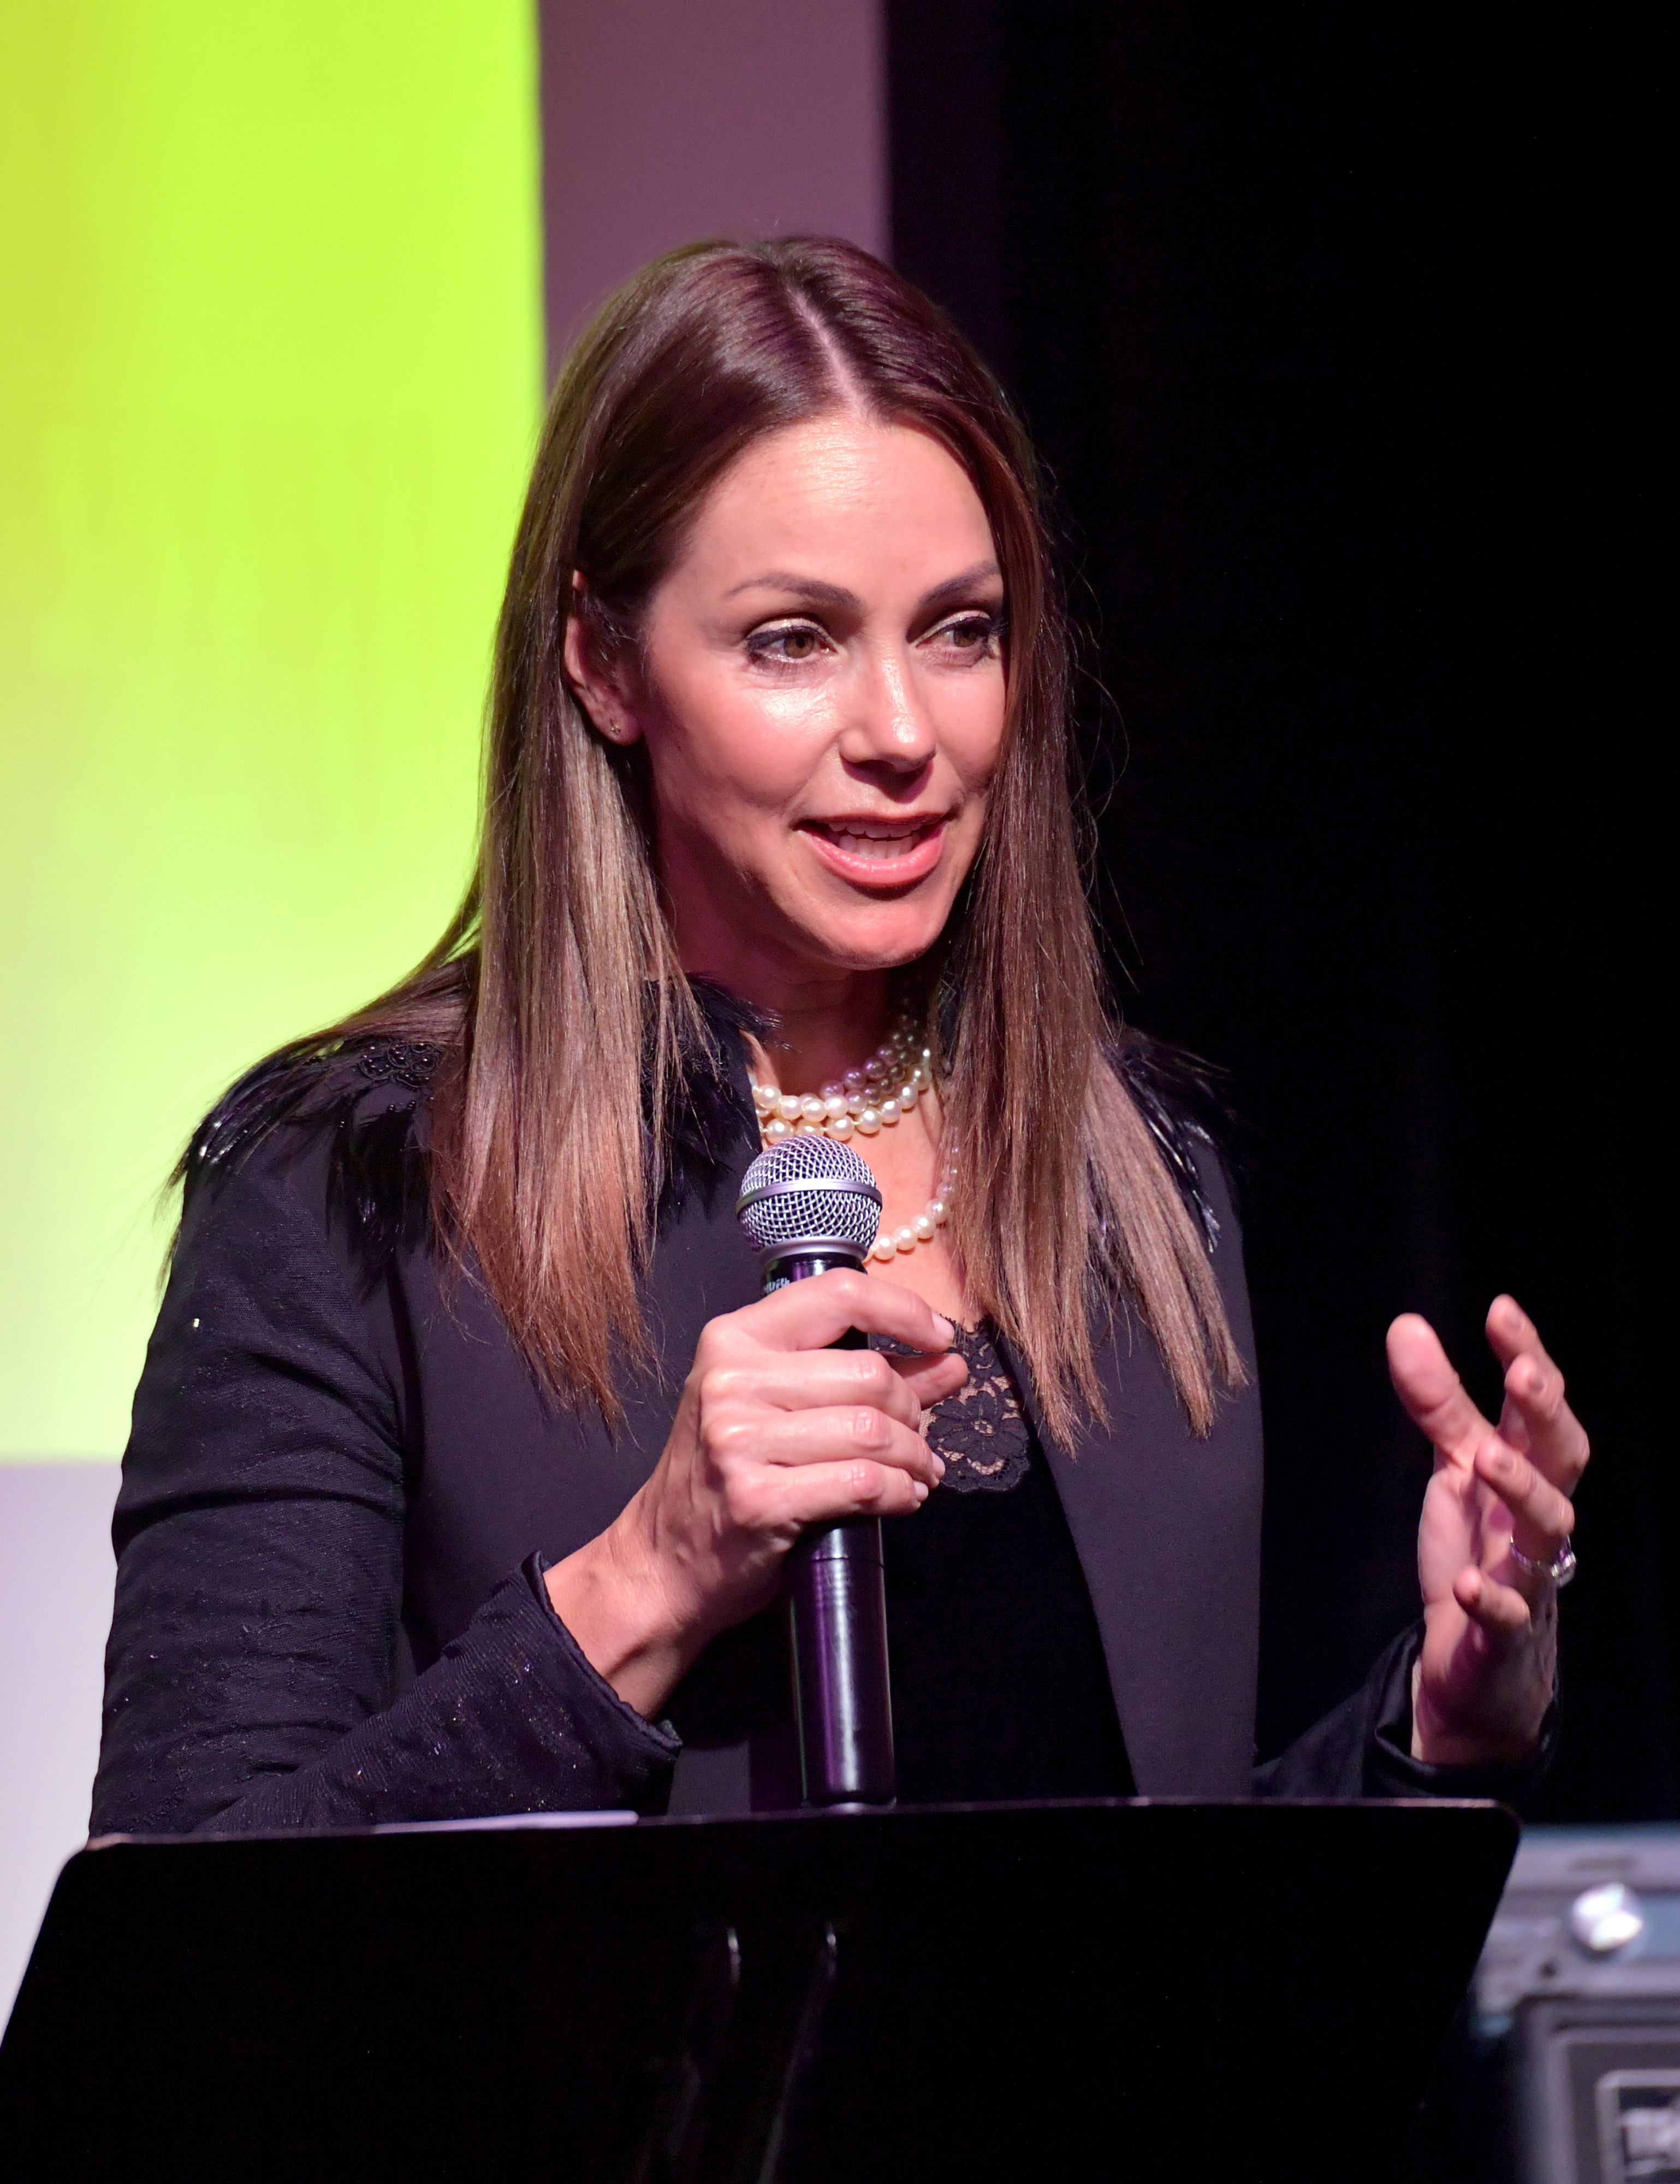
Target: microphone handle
[(837, 1615)]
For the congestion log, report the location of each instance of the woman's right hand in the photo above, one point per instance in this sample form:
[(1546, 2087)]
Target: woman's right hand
[(775, 1431)]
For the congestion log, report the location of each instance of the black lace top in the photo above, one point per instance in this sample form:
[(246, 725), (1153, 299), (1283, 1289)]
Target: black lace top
[(1000, 1687)]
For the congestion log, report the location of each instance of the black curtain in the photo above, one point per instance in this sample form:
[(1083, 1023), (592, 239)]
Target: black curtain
[(1333, 325)]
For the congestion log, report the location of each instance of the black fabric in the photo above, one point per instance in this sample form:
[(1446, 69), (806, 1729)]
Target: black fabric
[(1000, 1687), (342, 1478)]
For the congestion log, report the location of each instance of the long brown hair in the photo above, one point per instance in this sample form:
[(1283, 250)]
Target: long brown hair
[(557, 987)]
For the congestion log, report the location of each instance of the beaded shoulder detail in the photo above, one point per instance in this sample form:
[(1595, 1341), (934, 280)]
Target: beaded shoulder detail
[(412, 1064), (982, 1431), (377, 1186), (292, 1087)]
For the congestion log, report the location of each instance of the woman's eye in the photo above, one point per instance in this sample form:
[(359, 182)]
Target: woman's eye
[(974, 634), (796, 645)]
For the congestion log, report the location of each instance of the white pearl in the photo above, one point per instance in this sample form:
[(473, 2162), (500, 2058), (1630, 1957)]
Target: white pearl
[(788, 1108), (919, 1077), (842, 1127), (812, 1110), (927, 1057), (884, 1248), (905, 1240), (775, 1130), (936, 1212), (834, 1106), (924, 1228), (907, 1096), (855, 1104), (854, 1080), (869, 1121), (834, 1091), (889, 1110), (763, 1097), (805, 1128)]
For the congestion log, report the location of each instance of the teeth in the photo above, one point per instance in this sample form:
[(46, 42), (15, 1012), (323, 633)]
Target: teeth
[(864, 839), (878, 849)]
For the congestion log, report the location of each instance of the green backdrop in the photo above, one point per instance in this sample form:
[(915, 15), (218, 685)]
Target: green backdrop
[(269, 375)]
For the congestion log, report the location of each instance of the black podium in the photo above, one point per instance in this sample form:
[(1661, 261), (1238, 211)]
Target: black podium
[(1150, 1990)]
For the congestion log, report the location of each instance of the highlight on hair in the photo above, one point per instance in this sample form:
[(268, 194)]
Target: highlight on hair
[(557, 990)]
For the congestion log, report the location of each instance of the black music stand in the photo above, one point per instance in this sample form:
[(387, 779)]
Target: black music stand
[(1154, 1990)]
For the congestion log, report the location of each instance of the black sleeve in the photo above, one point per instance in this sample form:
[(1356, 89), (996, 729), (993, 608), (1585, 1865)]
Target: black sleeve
[(251, 1673), (1362, 1748)]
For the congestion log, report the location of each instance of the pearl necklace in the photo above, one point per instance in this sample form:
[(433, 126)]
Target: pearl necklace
[(863, 1102)]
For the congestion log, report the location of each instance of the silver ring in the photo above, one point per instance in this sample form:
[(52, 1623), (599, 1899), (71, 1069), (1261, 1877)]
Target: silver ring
[(1558, 1571)]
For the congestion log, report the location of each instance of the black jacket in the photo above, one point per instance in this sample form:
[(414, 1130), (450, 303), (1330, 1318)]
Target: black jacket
[(342, 1486)]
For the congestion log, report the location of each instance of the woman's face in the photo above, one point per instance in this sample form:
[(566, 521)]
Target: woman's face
[(822, 702)]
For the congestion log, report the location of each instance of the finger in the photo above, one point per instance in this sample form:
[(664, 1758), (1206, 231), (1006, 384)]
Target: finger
[(1511, 1332), (1498, 1609), (811, 1314), (1544, 1518), (932, 1379), (1433, 1395), (816, 1379), (1536, 1417), (797, 1494), (837, 1435)]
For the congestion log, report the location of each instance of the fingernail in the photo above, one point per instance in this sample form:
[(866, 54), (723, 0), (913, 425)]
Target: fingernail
[(947, 1332), (939, 1467), (921, 1491)]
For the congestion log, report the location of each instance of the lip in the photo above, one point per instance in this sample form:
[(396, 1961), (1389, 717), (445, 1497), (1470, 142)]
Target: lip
[(924, 835)]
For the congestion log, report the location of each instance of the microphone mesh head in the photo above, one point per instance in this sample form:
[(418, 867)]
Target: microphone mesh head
[(809, 1190)]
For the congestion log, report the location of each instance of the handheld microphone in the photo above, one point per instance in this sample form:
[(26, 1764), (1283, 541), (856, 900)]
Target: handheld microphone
[(807, 1205)]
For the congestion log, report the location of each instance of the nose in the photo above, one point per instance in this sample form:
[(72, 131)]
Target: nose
[(888, 722)]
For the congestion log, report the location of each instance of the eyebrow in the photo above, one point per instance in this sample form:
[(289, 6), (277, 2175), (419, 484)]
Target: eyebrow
[(955, 587), (817, 593)]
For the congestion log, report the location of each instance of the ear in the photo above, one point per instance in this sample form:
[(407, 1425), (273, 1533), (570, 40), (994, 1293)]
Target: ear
[(603, 694)]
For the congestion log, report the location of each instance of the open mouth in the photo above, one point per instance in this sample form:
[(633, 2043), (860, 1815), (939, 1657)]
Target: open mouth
[(892, 847)]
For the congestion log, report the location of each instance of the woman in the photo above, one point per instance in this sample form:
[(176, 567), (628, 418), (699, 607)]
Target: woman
[(465, 1458)]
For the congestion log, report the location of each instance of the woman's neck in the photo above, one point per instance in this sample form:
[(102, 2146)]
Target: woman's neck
[(823, 1026)]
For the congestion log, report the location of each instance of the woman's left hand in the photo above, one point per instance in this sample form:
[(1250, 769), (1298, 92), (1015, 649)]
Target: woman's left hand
[(1484, 1677)]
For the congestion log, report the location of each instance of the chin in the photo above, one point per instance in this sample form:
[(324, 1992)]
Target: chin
[(877, 942)]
